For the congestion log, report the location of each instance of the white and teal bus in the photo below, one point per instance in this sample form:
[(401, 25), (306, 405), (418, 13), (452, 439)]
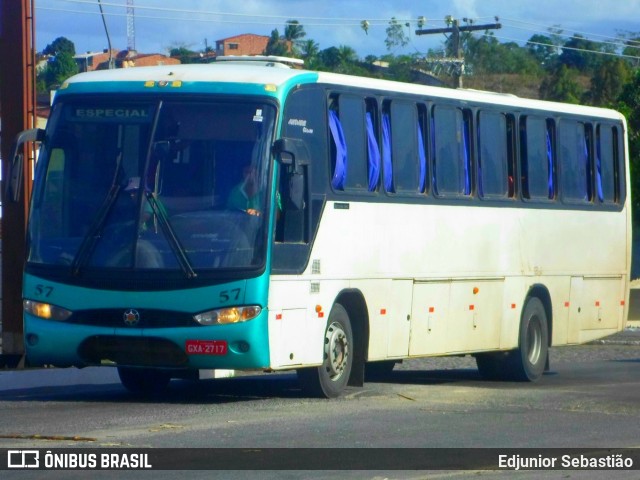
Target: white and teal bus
[(245, 216)]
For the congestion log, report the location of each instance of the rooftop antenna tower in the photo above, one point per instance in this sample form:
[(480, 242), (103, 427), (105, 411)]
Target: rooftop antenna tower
[(131, 27)]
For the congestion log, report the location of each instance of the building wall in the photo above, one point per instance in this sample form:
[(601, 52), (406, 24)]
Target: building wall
[(247, 44)]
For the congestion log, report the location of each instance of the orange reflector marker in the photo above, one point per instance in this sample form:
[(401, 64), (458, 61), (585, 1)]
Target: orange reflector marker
[(431, 309), (475, 290), (383, 311), (622, 303), (566, 304), (319, 311), (472, 307), (278, 316), (513, 306), (597, 303)]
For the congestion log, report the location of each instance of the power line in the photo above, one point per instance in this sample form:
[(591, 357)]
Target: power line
[(334, 20)]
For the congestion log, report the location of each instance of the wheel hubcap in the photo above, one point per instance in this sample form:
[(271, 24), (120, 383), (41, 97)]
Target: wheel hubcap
[(534, 340), (336, 351)]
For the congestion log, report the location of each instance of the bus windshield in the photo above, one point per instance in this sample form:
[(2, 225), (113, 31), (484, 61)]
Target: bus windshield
[(176, 185)]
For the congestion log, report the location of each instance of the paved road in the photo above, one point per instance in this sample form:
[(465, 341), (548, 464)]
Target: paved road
[(590, 398)]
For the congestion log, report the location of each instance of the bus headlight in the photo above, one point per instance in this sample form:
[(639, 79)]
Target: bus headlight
[(46, 310), (225, 316)]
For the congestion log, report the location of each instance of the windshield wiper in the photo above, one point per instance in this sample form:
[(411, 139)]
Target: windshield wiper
[(170, 234), (93, 234)]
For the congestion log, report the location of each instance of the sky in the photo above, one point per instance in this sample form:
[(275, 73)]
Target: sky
[(163, 24)]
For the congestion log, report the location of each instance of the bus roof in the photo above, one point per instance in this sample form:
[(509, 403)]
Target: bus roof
[(257, 74)]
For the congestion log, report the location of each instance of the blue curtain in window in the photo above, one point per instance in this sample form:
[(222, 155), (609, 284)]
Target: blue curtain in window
[(386, 152), (423, 159), (340, 170), (585, 159), (374, 154), (466, 157), (550, 162), (599, 172)]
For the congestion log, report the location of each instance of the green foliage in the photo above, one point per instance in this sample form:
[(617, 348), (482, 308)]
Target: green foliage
[(608, 81), (629, 104), (183, 53), (562, 86), (60, 45), (396, 37), (60, 66)]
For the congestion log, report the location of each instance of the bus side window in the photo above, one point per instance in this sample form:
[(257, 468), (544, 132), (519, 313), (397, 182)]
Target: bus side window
[(537, 157), (493, 156), (352, 117), (338, 150), (422, 147), (406, 161), (575, 159), (451, 151), (607, 164), (373, 150), (387, 150)]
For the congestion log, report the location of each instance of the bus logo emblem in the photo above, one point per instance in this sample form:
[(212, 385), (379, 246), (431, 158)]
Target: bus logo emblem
[(131, 317)]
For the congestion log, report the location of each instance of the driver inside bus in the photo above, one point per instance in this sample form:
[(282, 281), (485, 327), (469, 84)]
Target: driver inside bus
[(245, 196)]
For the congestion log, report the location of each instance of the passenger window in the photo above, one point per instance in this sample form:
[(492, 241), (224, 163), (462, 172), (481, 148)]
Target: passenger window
[(422, 146), (338, 148), (493, 156), (607, 164), (406, 166), (537, 157), (352, 114), (373, 150), (574, 142), (387, 151), (451, 151)]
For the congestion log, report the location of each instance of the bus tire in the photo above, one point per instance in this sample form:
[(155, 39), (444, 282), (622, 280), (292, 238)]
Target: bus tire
[(330, 379), (529, 360), (144, 381), (492, 366)]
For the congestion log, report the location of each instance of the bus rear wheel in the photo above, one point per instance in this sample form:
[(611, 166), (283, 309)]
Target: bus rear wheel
[(330, 379), (144, 381), (529, 360)]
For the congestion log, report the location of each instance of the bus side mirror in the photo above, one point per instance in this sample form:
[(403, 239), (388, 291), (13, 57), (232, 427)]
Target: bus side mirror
[(293, 154), (16, 167)]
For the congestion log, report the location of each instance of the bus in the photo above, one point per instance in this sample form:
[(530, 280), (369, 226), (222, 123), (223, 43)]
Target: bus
[(240, 215)]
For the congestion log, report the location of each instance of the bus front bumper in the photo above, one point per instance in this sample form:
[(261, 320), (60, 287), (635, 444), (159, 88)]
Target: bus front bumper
[(238, 346)]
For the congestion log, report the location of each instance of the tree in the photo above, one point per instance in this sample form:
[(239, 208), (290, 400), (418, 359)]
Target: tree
[(276, 45), (608, 81), (58, 69), (61, 64), (577, 53), (562, 86), (309, 50), (293, 31), (629, 104), (183, 53), (60, 45), (542, 49), (396, 37)]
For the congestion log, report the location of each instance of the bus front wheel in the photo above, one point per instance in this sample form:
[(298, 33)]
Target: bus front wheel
[(330, 379)]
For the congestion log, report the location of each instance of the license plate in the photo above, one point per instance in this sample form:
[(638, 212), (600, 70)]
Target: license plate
[(206, 347)]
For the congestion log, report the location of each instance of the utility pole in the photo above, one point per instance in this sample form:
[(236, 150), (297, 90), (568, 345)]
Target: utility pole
[(17, 97), (455, 29)]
